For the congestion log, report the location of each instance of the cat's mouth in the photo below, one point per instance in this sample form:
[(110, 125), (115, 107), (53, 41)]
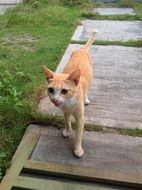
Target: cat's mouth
[(56, 103)]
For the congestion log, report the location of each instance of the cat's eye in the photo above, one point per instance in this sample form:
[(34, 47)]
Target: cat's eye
[(64, 91), (51, 90)]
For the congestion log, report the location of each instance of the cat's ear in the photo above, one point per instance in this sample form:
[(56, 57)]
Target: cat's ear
[(49, 74), (75, 76)]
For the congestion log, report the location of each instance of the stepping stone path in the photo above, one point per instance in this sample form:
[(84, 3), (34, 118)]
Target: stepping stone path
[(109, 30), (114, 11), (111, 161), (6, 4)]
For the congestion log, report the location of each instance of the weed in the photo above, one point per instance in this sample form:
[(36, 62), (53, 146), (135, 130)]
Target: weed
[(11, 95), (138, 9), (76, 2), (65, 3), (125, 3), (2, 161)]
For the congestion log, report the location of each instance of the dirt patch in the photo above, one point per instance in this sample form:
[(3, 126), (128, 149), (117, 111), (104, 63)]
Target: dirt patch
[(26, 42)]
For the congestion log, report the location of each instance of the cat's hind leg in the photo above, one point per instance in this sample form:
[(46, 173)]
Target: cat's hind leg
[(68, 129)]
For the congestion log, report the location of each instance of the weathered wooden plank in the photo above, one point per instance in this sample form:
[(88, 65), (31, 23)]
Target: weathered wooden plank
[(51, 184), (103, 152), (85, 173), (17, 165)]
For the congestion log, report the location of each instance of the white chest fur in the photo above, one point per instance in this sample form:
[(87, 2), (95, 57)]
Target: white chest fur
[(70, 104)]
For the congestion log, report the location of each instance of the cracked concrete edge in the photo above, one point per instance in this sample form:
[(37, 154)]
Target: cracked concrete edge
[(77, 32)]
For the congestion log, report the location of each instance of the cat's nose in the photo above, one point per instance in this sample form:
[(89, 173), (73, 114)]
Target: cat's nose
[(56, 102)]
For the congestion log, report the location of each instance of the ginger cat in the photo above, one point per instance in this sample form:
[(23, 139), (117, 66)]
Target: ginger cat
[(69, 89)]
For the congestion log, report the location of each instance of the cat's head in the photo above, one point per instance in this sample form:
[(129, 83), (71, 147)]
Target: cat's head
[(61, 87)]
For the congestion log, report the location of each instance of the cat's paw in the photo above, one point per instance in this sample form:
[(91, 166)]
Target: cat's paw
[(87, 101), (66, 134), (78, 152)]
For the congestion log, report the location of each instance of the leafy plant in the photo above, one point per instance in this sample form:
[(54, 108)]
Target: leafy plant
[(9, 93), (2, 157), (11, 96)]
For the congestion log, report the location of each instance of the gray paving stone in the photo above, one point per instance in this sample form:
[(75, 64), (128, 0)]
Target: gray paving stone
[(3, 8), (109, 30), (115, 96), (114, 11), (5, 2)]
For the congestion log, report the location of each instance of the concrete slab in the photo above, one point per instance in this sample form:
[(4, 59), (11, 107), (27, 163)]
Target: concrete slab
[(109, 30), (6, 4), (3, 8), (9, 2), (115, 95), (104, 153), (114, 11)]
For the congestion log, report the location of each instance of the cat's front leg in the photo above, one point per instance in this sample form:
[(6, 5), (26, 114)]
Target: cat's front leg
[(68, 129), (86, 102), (79, 133)]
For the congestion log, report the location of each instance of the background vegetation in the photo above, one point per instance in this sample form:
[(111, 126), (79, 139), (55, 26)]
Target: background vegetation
[(33, 34)]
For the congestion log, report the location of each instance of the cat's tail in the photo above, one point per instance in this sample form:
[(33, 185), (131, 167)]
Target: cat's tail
[(91, 40)]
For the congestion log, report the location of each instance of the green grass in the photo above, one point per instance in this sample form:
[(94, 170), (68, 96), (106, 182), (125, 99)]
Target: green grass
[(31, 35), (97, 16), (131, 43), (138, 9), (126, 3), (58, 122)]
